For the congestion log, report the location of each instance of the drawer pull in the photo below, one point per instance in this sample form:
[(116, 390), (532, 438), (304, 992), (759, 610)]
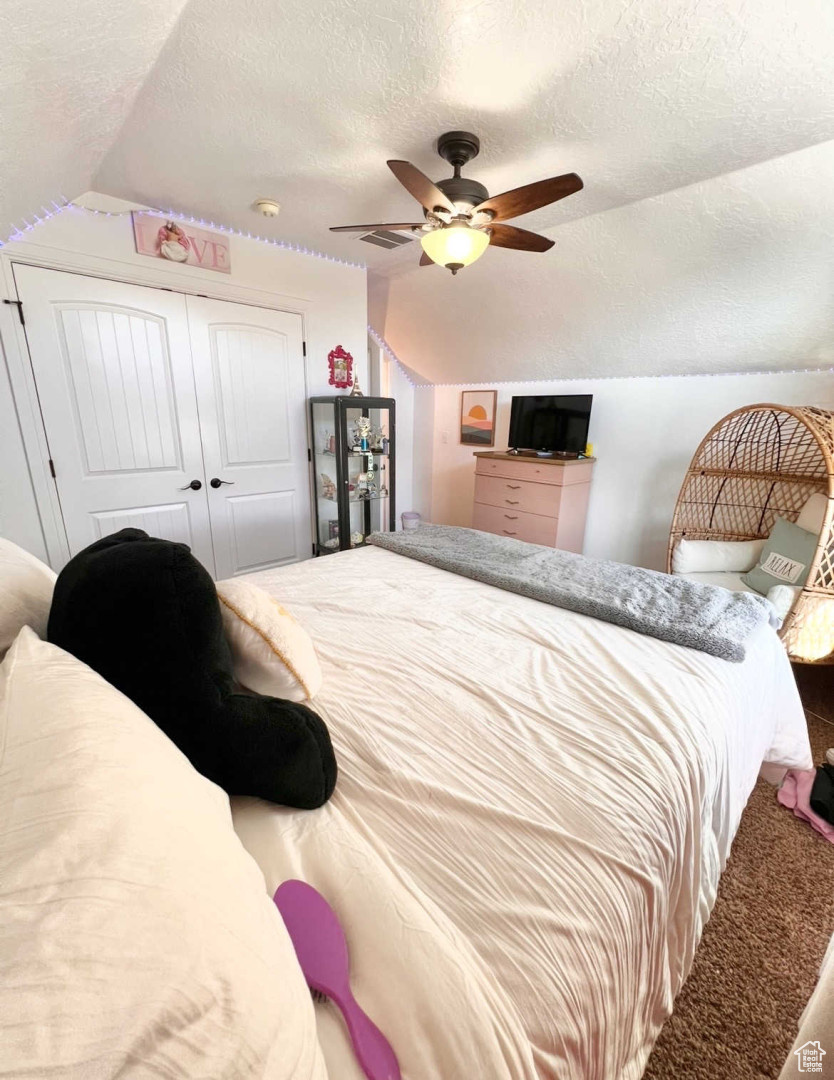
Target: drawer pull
[(512, 502), (511, 517), (507, 533), (513, 487)]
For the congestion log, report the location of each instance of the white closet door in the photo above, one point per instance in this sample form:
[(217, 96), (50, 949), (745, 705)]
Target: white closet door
[(249, 371), (113, 370)]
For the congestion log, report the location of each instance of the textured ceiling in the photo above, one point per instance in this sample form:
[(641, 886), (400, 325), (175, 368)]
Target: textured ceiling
[(304, 102), (206, 106), (69, 74)]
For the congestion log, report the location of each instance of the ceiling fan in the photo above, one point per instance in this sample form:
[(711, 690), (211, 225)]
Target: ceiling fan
[(461, 219)]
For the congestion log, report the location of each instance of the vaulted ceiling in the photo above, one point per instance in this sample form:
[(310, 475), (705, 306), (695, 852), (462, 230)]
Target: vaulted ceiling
[(207, 104)]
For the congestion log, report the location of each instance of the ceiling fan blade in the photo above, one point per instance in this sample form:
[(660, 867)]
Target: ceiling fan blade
[(373, 228), (425, 191), (426, 261), (522, 200), (508, 236)]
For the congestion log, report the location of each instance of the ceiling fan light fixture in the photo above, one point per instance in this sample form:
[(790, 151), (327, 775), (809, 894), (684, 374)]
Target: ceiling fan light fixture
[(455, 246)]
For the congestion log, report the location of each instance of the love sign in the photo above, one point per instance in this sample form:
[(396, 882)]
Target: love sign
[(178, 242)]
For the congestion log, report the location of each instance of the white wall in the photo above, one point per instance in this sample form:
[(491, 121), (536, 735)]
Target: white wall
[(331, 296), (424, 452), (644, 432), (403, 392)]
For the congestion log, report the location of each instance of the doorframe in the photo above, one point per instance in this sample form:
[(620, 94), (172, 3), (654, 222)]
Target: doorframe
[(22, 374)]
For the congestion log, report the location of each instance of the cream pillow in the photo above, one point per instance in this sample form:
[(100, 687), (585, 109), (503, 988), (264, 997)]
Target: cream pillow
[(272, 653), (812, 514), (715, 556), (26, 586), (137, 938)]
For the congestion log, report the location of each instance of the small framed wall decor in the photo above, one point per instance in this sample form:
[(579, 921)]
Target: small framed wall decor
[(340, 364), (162, 239), (477, 417)]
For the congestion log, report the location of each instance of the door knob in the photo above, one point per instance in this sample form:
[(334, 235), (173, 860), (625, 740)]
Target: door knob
[(216, 481), (195, 485)]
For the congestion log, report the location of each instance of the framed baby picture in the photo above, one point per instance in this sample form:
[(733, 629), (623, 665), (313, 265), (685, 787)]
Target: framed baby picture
[(477, 417)]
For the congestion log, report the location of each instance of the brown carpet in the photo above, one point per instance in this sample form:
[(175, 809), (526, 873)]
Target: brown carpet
[(757, 964)]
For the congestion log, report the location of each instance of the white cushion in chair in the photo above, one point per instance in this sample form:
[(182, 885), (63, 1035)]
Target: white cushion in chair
[(714, 556), (812, 514)]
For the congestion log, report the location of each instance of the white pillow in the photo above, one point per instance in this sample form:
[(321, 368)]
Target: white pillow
[(137, 938), (812, 513), (272, 653), (711, 556), (26, 586)]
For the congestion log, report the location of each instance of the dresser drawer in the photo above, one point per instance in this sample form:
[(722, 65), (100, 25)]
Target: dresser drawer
[(534, 528), (540, 470), (518, 495)]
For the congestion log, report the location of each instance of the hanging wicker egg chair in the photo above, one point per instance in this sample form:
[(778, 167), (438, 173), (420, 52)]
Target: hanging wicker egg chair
[(759, 463)]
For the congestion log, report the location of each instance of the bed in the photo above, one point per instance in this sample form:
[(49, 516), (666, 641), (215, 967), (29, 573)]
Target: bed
[(532, 814)]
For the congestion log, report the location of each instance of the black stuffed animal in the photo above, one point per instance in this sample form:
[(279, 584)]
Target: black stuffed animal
[(144, 614)]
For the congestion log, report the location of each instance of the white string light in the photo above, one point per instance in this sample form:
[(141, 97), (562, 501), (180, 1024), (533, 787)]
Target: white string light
[(623, 378), (56, 208)]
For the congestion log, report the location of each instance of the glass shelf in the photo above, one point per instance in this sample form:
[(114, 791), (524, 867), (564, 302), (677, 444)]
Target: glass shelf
[(356, 499), (354, 453)]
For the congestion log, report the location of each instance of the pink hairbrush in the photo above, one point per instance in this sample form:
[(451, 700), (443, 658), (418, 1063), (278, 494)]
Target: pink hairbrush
[(322, 952)]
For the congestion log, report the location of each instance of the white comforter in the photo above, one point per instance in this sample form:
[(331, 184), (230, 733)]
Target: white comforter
[(532, 814)]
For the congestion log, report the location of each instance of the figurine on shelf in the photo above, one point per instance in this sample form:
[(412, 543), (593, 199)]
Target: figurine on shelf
[(328, 487), (383, 487), (367, 484), (356, 538), (355, 392), (362, 429), (376, 439)]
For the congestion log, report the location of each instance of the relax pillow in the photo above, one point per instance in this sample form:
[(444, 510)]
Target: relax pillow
[(144, 614), (137, 938), (715, 556), (785, 559), (271, 652), (26, 586)]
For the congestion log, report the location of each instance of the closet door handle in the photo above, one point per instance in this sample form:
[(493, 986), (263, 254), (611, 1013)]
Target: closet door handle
[(195, 485), (511, 517), (216, 481), (512, 502), (513, 487), (507, 533)]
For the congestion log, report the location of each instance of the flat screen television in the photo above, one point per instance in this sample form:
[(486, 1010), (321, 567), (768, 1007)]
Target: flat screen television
[(551, 423)]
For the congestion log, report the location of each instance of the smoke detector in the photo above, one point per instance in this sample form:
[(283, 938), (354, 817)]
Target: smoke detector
[(267, 207)]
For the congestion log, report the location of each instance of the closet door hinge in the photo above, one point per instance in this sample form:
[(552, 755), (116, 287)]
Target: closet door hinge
[(309, 454), (19, 305), (314, 550), (52, 469), (303, 346)]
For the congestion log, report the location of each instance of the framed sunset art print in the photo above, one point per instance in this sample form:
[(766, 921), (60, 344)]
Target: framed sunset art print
[(477, 417)]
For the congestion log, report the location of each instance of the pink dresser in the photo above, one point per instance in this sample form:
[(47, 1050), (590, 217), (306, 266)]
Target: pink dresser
[(541, 500)]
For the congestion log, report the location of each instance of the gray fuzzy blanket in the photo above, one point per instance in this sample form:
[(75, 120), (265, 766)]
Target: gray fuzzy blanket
[(703, 617)]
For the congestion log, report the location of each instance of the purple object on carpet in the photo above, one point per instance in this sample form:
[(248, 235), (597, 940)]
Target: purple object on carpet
[(322, 952)]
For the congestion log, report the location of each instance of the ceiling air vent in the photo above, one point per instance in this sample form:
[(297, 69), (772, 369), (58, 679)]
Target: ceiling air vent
[(385, 239)]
